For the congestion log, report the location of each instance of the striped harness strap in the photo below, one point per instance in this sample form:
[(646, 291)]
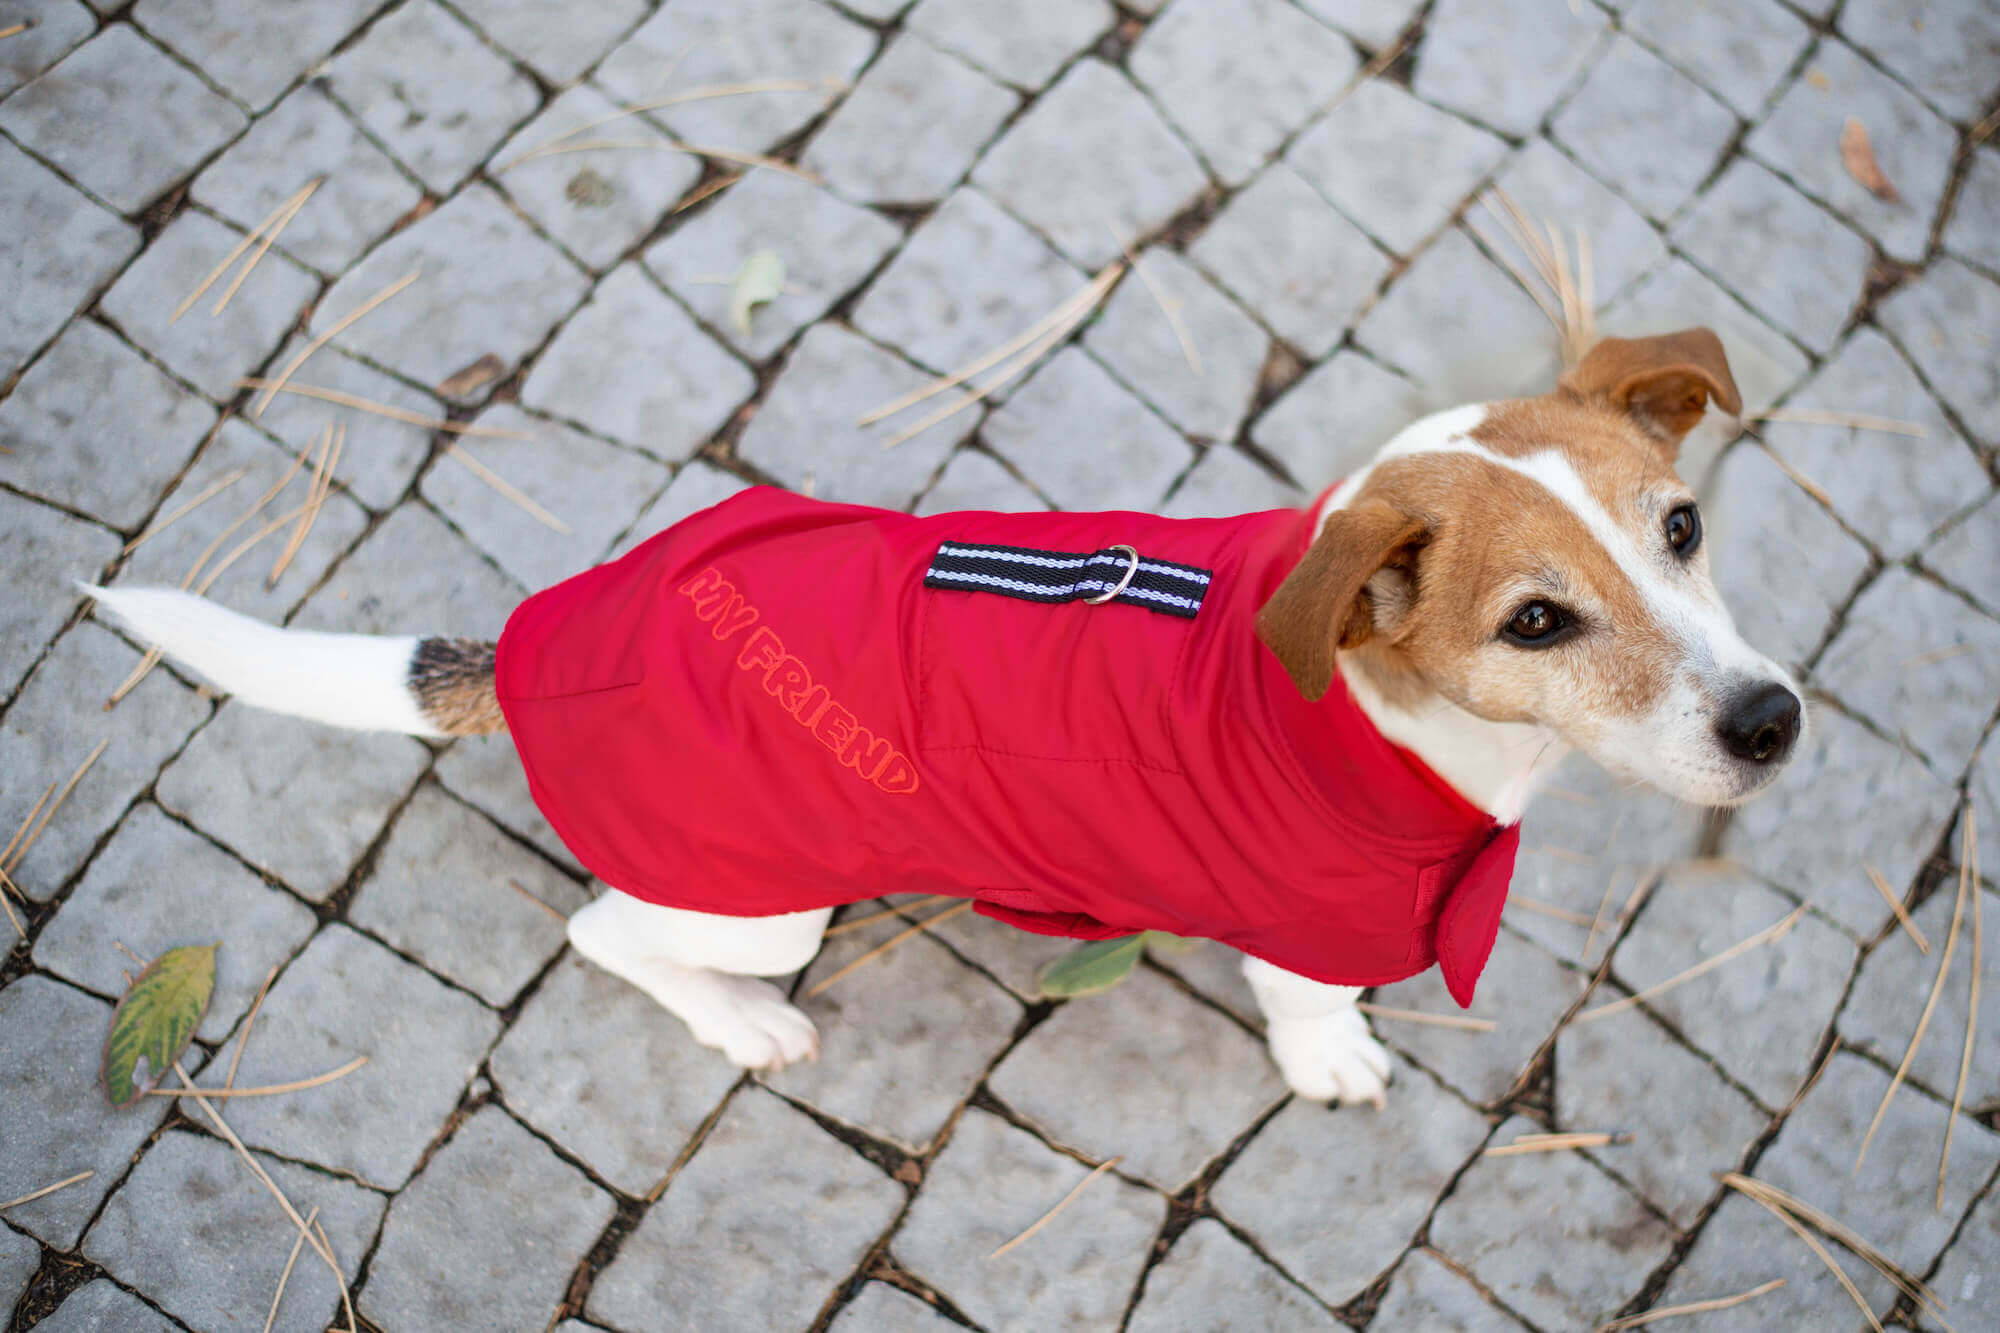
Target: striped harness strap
[(1115, 574)]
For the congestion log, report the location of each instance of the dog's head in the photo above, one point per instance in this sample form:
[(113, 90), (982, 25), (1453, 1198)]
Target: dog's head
[(1539, 561)]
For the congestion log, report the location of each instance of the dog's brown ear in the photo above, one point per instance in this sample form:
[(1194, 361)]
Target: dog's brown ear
[(1324, 604), (1663, 382)]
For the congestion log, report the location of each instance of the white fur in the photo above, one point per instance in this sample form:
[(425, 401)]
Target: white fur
[(1318, 1039), (358, 681)]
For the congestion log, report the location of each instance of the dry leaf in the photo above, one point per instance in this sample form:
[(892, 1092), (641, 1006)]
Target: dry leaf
[(760, 279), (1818, 79), (475, 376), (1857, 154)]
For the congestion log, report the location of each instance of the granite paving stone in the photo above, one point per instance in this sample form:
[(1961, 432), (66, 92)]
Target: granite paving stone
[(1140, 343), (1332, 421), (1645, 128), (1985, 792), (1970, 234), (1968, 554), (80, 245), (1384, 1169), (1794, 262), (1374, 23), (1574, 1246), (970, 278), (489, 286), (1546, 184), (977, 480), (1783, 563), (697, 486), (308, 135), (151, 120), (828, 246), (1083, 441), (715, 43), (804, 433), (1091, 166), (1228, 481), (1427, 1293), (58, 1122), (485, 773), (1892, 489), (1359, 157), (1460, 326), (633, 365), (413, 575), (902, 1042), (1914, 660), (1213, 970), (1945, 321), (440, 128), (245, 776), (1626, 1074), (1848, 796), (1740, 52), (988, 1185), (346, 996), (42, 548), (1284, 252), (1238, 77), (1800, 138), (102, 1306), (55, 28), (167, 556), (228, 1240), (1761, 1014), (756, 1231), (1973, 1261), (593, 488), (452, 1253), (558, 44), (20, 1257), (209, 350), (1949, 53), (911, 128), (1023, 42), (1172, 1083), (254, 51), (598, 204), (1504, 62), (1011, 956), (136, 894), (452, 891), (1894, 983), (581, 1093), (1211, 1271), (94, 427), (1523, 990), (381, 456), (1889, 1200), (881, 1308)]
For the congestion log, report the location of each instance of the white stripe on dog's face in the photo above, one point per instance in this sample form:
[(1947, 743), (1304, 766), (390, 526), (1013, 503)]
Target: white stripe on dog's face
[(1565, 506)]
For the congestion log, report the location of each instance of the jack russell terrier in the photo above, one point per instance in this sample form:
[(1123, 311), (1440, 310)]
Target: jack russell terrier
[(1307, 734)]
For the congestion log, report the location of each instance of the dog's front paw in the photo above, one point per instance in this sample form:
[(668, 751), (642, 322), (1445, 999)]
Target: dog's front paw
[(753, 1025), (1332, 1058)]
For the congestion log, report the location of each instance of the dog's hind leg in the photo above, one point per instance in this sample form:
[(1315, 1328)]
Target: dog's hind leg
[(704, 969)]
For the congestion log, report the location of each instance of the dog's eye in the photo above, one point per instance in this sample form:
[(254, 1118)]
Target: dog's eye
[(1537, 625), (1684, 530)]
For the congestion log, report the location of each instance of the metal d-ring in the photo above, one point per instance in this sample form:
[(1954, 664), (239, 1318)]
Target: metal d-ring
[(1123, 583)]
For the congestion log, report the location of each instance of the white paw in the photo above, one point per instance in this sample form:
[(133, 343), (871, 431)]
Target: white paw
[(1331, 1058), (753, 1025)]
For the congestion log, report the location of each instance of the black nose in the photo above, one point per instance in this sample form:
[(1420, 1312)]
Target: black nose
[(1760, 723)]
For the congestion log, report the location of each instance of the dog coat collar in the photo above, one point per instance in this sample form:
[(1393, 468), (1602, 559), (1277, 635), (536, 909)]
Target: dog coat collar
[(781, 704)]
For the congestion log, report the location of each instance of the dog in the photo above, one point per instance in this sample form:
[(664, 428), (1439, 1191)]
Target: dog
[(1308, 734)]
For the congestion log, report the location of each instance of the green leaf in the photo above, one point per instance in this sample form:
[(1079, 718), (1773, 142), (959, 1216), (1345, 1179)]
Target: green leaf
[(156, 1020), (1090, 970), (1165, 943), (760, 279)]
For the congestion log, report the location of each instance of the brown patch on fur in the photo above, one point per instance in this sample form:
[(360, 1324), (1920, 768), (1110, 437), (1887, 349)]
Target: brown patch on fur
[(453, 682), (1323, 604), (1663, 383)]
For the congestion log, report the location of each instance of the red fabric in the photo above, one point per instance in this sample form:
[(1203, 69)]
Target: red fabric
[(762, 710)]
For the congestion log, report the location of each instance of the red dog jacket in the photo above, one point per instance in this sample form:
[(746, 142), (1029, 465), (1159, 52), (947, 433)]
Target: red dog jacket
[(781, 704)]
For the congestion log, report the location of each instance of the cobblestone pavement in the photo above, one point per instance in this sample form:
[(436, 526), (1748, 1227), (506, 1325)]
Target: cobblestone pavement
[(533, 1142)]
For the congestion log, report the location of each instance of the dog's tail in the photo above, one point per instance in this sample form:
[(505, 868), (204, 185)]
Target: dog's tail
[(420, 687)]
